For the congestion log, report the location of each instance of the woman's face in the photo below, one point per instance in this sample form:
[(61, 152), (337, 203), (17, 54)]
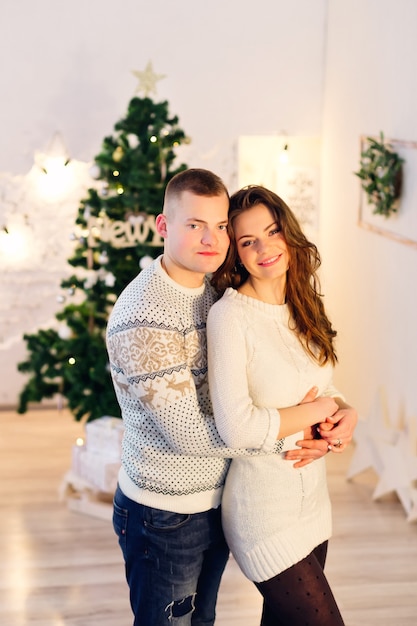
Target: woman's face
[(260, 244)]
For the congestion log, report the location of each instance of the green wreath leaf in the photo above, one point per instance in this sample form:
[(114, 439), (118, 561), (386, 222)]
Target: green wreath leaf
[(381, 175)]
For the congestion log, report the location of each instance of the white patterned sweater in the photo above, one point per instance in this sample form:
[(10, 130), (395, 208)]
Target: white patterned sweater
[(273, 514), (172, 455)]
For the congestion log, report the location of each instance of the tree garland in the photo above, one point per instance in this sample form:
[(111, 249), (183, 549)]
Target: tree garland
[(381, 175)]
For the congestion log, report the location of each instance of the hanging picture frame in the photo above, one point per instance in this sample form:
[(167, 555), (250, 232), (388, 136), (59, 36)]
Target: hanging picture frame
[(289, 165), (400, 226)]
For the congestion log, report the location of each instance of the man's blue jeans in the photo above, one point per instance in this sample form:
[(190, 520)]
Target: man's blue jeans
[(174, 562)]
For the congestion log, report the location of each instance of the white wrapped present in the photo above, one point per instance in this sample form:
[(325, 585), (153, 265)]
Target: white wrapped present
[(104, 435), (97, 469)]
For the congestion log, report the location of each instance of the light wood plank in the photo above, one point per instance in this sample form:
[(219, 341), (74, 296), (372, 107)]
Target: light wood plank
[(59, 567)]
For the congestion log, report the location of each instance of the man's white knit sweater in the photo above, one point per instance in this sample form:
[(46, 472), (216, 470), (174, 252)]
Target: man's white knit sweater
[(173, 457)]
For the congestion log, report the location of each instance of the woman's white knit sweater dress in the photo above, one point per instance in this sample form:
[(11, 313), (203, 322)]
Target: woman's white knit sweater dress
[(273, 515)]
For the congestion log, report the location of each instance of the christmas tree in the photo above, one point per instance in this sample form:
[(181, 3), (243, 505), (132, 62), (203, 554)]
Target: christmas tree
[(114, 238)]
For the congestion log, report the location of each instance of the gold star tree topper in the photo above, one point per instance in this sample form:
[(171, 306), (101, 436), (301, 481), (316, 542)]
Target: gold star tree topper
[(147, 80)]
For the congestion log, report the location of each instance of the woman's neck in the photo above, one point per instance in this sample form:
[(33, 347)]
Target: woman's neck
[(268, 292)]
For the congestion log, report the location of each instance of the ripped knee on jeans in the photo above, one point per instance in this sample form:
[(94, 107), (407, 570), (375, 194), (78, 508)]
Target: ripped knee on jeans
[(178, 608)]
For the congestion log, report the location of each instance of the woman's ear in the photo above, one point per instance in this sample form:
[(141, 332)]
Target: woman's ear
[(161, 225)]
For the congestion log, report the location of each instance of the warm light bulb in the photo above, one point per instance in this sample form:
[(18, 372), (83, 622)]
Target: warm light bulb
[(283, 157), (55, 177), (14, 245), (95, 231)]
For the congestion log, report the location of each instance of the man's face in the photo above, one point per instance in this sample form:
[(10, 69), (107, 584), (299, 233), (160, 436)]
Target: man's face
[(196, 239)]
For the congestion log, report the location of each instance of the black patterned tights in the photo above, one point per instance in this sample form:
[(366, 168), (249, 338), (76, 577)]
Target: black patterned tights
[(300, 596)]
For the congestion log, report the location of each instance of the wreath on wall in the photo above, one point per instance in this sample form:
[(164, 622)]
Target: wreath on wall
[(381, 173)]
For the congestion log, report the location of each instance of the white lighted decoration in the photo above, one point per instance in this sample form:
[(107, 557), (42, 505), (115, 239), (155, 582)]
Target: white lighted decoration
[(35, 244), (55, 165), (15, 240), (123, 234), (284, 157), (35, 226)]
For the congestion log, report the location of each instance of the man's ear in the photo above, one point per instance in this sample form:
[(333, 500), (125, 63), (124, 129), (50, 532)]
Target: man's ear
[(161, 225)]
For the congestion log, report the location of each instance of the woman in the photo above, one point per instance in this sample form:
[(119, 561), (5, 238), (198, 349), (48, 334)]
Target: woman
[(269, 342)]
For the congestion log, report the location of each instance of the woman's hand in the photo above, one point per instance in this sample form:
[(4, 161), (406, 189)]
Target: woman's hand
[(336, 433), (326, 407), (338, 429), (298, 417), (311, 431)]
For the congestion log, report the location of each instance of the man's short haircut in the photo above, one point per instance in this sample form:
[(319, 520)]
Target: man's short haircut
[(198, 181)]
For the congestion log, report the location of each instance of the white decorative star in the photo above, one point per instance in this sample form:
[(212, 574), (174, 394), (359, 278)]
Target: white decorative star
[(369, 435), (147, 80), (400, 470), (391, 452), (393, 478), (412, 516), (365, 454)]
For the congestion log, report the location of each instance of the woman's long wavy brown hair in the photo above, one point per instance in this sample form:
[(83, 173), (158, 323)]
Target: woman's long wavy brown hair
[(303, 296)]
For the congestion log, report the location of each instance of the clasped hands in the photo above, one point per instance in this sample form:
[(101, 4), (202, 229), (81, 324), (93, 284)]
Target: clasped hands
[(333, 434)]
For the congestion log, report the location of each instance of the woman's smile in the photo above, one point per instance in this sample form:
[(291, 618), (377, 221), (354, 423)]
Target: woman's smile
[(270, 261)]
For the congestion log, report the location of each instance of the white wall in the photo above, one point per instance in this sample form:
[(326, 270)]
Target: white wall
[(371, 281), (231, 70)]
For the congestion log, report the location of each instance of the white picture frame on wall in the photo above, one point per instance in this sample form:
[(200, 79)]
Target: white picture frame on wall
[(402, 225)]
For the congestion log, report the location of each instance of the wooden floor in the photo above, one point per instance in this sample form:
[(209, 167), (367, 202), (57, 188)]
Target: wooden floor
[(58, 567)]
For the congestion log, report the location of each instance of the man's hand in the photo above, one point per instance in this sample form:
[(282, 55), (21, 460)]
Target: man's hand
[(309, 451)]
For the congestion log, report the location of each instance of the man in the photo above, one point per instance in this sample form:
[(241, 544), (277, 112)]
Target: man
[(167, 504)]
